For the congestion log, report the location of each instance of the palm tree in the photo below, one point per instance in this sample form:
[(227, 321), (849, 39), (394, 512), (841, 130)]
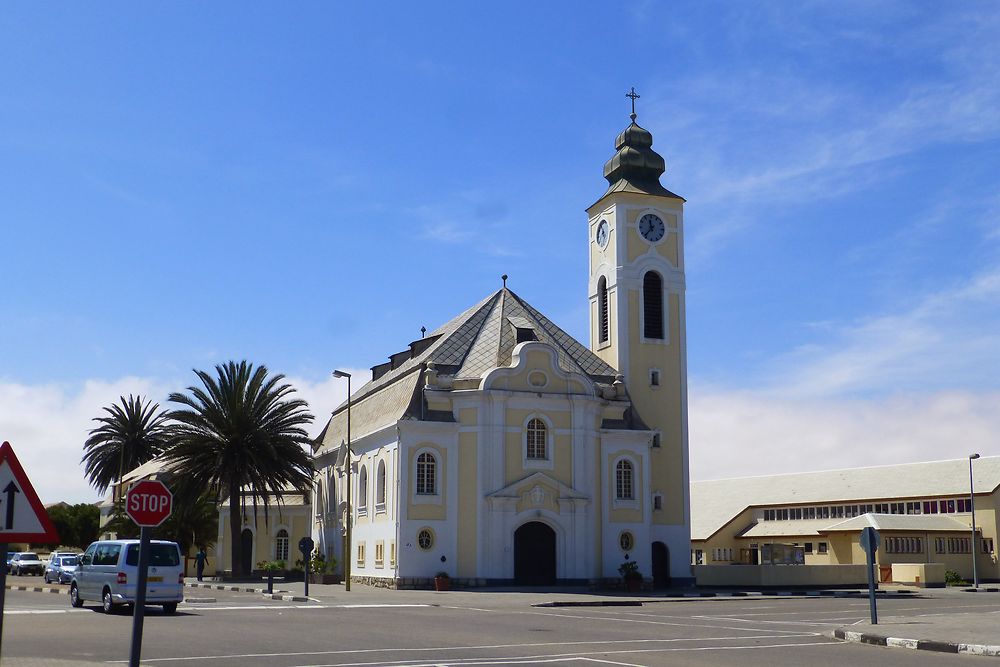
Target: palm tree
[(240, 435), (131, 434)]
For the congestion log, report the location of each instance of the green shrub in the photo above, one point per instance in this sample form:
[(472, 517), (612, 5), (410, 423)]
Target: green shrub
[(951, 578)]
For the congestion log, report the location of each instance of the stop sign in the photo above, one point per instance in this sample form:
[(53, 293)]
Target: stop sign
[(148, 503)]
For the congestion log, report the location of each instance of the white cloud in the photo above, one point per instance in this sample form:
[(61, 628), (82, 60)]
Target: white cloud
[(739, 433), (949, 338), (47, 424)]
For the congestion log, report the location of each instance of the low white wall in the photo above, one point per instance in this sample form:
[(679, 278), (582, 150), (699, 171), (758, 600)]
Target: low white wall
[(918, 574), (769, 576)]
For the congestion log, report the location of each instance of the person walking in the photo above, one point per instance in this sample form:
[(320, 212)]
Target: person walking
[(201, 560)]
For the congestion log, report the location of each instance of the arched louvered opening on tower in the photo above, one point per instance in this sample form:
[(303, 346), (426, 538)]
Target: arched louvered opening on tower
[(602, 307), (652, 305)]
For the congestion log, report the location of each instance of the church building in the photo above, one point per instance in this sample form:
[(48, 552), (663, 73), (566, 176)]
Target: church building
[(499, 450)]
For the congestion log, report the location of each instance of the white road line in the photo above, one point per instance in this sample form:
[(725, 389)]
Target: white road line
[(634, 620), (535, 659), (609, 662), (417, 649)]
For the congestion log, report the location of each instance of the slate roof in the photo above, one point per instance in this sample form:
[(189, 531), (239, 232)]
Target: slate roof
[(715, 503), (467, 346)]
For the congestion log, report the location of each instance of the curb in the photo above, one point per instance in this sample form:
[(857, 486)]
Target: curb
[(288, 598), (991, 589), (916, 644), (199, 600), (223, 587), (594, 603), (37, 589), (688, 597)]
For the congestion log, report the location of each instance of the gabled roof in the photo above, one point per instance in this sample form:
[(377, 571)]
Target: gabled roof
[(715, 503), (480, 339), (907, 522)]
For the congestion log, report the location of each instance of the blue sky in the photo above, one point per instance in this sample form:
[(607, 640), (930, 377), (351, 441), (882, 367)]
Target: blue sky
[(306, 186)]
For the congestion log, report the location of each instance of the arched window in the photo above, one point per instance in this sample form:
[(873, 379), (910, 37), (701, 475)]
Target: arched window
[(652, 305), (281, 545), (536, 439), (363, 488), (426, 474), (380, 484), (623, 481), (602, 310)]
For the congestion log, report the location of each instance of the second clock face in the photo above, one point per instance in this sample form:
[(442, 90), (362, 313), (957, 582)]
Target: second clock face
[(651, 227), (603, 231)]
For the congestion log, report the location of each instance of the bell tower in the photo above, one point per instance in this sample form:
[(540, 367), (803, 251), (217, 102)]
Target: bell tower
[(637, 321)]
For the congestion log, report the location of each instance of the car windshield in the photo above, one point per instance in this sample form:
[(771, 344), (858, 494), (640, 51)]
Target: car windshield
[(29, 556), (160, 555), (67, 561)]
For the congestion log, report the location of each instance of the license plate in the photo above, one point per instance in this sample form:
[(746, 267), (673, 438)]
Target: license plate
[(154, 579)]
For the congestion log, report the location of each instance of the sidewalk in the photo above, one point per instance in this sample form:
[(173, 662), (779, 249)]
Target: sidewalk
[(975, 634)]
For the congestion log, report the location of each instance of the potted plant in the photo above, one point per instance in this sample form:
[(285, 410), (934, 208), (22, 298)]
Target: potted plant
[(630, 575), (442, 582), (320, 569)]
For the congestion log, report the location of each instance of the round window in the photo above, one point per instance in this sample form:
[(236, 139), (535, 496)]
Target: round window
[(425, 539), (625, 541)]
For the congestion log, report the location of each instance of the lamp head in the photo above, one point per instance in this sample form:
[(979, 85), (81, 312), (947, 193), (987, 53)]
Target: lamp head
[(341, 374), (973, 456)]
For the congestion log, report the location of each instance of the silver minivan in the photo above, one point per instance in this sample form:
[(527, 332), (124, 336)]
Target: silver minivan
[(109, 571)]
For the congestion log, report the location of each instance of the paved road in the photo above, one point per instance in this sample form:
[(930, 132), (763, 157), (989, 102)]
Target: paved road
[(375, 628)]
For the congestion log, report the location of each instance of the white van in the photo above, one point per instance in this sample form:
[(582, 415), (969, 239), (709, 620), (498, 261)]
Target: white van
[(108, 571)]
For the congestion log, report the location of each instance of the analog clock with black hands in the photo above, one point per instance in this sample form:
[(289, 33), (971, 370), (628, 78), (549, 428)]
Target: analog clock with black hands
[(651, 227)]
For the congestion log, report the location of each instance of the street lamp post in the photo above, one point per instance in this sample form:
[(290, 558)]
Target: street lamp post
[(347, 521), (972, 509)]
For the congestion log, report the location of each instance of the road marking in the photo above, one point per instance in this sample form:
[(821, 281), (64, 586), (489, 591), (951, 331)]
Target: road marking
[(417, 649), (566, 657), (634, 620)]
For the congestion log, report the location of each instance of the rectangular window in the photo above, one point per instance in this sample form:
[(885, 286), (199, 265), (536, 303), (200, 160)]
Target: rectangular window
[(822, 547), (809, 547), (379, 554), (947, 506), (361, 553), (698, 557), (809, 513), (796, 513), (987, 544), (656, 440), (913, 508), (657, 502), (654, 378)]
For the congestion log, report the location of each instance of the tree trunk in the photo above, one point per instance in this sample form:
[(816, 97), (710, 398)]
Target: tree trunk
[(235, 538)]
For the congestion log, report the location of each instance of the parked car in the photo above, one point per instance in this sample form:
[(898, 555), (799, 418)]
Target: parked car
[(108, 571), (26, 562), (10, 557), (61, 568)]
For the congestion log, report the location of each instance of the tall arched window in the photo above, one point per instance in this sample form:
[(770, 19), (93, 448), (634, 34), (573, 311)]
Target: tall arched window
[(363, 488), (380, 484), (623, 481), (602, 310), (281, 545), (536, 436), (652, 305), (426, 474)]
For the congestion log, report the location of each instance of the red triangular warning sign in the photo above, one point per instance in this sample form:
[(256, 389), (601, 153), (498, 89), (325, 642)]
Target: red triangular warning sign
[(22, 516)]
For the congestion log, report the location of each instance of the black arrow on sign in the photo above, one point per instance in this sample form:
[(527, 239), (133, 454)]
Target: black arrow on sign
[(10, 490)]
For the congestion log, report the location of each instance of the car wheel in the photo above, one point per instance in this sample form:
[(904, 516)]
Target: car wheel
[(74, 596), (46, 578), (107, 604), (169, 607)]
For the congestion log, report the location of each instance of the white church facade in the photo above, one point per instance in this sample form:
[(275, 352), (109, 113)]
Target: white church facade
[(500, 450)]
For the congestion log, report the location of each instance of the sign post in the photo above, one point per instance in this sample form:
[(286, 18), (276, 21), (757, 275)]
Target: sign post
[(22, 516), (148, 504), (869, 542), (306, 547)]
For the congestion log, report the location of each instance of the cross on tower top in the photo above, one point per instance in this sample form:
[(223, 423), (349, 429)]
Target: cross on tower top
[(634, 95)]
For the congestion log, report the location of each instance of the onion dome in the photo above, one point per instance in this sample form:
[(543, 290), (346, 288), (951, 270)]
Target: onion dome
[(636, 167)]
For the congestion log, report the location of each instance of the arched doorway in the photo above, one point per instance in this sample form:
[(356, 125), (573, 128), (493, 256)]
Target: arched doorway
[(661, 565), (535, 555), (246, 551)]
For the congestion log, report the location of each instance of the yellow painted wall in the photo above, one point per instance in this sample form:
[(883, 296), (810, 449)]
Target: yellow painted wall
[(467, 504)]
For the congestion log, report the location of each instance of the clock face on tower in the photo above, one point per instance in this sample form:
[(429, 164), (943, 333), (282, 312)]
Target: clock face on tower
[(651, 227), (603, 230)]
